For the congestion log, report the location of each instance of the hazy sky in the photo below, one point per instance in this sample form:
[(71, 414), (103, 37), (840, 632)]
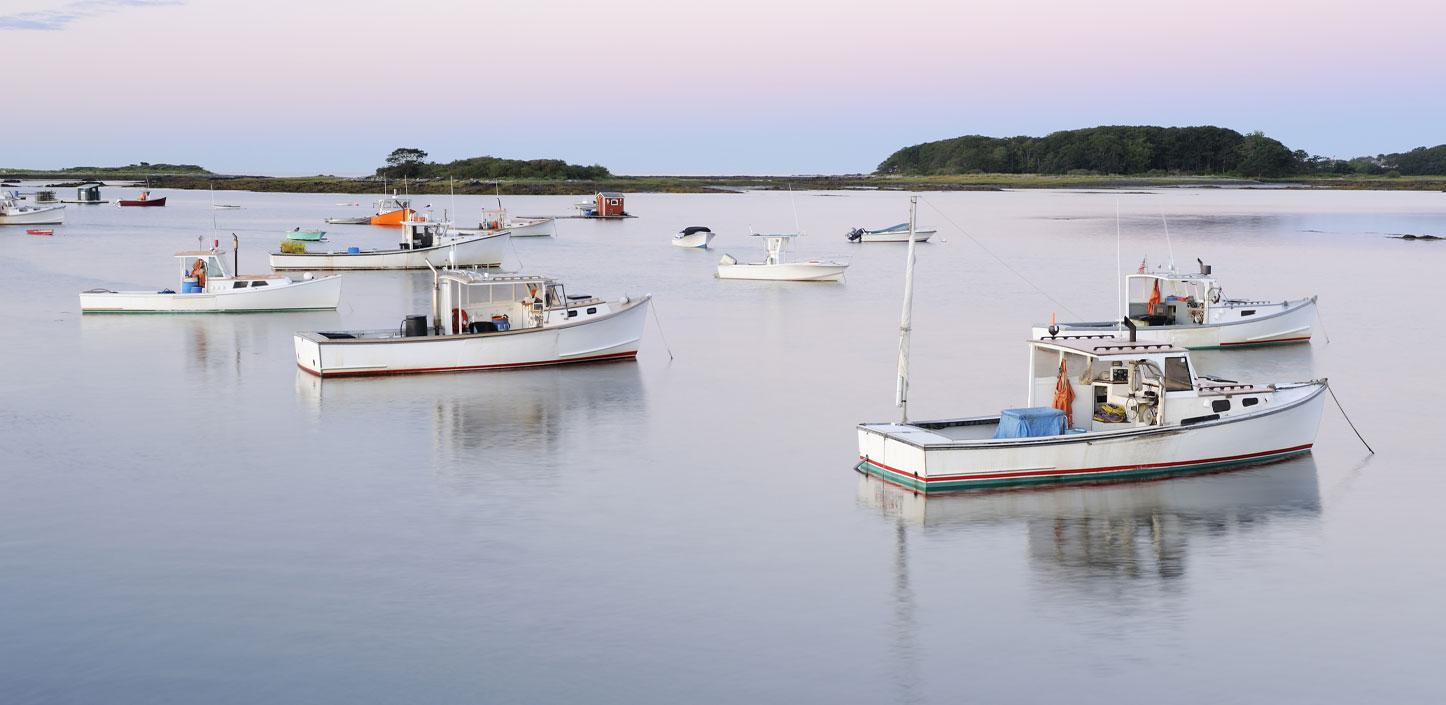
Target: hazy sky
[(679, 87)]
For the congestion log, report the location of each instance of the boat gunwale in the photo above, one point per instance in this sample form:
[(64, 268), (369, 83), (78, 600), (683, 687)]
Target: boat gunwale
[(1291, 306), (992, 443), (320, 338)]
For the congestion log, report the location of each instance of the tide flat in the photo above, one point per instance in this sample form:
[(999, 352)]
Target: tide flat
[(186, 517)]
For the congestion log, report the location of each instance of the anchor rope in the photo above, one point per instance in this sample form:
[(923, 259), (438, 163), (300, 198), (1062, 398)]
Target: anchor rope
[(999, 260), (653, 308), (1331, 388)]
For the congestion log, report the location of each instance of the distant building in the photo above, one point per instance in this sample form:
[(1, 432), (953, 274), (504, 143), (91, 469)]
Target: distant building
[(88, 193), (609, 205)]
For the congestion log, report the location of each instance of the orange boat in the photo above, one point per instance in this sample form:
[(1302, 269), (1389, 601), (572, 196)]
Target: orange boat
[(392, 211)]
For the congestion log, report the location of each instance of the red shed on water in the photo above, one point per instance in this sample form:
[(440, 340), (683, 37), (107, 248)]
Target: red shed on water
[(609, 205)]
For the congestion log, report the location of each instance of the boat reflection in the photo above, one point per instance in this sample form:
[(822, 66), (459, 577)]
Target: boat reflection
[(1137, 530)]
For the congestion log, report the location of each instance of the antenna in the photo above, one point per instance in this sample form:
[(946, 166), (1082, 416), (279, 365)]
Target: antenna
[(452, 185), (1119, 268), (1170, 247), (797, 228), (901, 388)]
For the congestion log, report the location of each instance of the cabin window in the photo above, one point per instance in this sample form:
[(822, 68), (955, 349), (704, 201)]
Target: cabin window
[(1249, 401), (1177, 375), (238, 285), (1247, 312), (256, 284), (592, 310), (1220, 405), (572, 313)]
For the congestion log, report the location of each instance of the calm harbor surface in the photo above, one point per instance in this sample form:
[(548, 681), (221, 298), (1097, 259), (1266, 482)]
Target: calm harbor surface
[(186, 517)]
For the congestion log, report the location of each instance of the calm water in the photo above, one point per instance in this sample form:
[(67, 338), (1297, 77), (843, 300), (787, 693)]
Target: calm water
[(186, 518)]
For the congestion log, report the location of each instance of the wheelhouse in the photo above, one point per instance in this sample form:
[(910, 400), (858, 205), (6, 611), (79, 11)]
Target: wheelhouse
[(468, 302)]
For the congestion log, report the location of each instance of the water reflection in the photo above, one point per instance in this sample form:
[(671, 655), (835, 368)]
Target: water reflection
[(1085, 537)]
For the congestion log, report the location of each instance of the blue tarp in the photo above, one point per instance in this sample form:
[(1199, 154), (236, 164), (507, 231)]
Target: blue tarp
[(1030, 423)]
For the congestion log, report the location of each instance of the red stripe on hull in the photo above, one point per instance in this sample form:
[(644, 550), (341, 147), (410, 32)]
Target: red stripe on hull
[(468, 368), (1082, 471)]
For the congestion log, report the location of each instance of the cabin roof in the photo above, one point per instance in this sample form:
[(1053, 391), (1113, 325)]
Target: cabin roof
[(610, 194), (1174, 276), (199, 253), (1107, 347), (467, 276)]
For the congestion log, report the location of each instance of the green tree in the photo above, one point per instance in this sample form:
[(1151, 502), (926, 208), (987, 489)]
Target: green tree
[(1263, 156), (405, 162)]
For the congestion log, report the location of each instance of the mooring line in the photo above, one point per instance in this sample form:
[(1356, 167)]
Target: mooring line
[(1321, 320), (653, 307), (1001, 262), (1330, 388)]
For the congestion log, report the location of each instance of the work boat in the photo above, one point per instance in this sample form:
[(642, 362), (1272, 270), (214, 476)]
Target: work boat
[(392, 211), (496, 220), (207, 287), (693, 236), (482, 321), (1117, 409), (775, 269), (893, 233), (425, 243), (13, 212), (1191, 310)]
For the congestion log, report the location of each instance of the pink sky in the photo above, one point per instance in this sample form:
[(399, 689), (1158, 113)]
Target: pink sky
[(681, 87)]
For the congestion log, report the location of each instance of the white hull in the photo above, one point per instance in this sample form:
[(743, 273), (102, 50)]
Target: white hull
[(40, 216), (916, 457), (785, 271), (615, 336), (1292, 324), (322, 293), (697, 240), (532, 227), (919, 236), (480, 251)]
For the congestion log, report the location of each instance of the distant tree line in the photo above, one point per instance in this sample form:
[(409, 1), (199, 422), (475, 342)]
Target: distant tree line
[(1136, 150), (410, 162)]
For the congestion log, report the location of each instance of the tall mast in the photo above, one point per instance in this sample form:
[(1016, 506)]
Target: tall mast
[(901, 390)]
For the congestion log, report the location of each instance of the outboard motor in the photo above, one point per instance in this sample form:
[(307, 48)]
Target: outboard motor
[(1204, 268), (856, 234)]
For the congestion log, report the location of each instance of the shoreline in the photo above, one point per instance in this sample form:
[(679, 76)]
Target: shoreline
[(721, 184)]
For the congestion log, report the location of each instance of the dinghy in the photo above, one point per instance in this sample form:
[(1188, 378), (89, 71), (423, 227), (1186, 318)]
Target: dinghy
[(13, 212), (893, 233), (775, 269), (496, 220), (207, 287), (1190, 310), (482, 321), (424, 244), (1116, 409), (143, 201), (309, 235), (363, 220), (693, 236)]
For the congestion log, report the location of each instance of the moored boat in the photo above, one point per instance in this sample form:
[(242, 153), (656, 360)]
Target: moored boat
[(392, 211), (482, 321), (496, 220), (39, 231), (893, 233), (144, 200), (206, 286), (13, 212), (424, 244), (775, 269), (1190, 310), (693, 236), (307, 235), (362, 220)]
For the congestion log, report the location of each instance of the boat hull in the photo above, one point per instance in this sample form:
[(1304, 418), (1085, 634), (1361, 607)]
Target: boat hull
[(148, 203), (1293, 324), (896, 453), (305, 235), (396, 217), (890, 236), (481, 251), (696, 240), (40, 216), (787, 271), (532, 227), (315, 294), (616, 336)]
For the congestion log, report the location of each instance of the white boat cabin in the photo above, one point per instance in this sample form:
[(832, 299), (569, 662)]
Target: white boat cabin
[(1116, 385), (205, 271), (421, 234), (391, 204), (1170, 298), (468, 302)]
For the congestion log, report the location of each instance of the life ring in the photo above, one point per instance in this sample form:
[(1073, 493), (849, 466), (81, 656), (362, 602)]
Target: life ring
[(460, 319), (1215, 294)]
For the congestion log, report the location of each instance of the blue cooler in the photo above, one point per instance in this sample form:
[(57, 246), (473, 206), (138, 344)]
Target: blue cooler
[(353, 250), (189, 285)]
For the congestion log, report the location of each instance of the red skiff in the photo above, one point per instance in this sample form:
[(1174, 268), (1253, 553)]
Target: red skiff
[(38, 231), (148, 202)]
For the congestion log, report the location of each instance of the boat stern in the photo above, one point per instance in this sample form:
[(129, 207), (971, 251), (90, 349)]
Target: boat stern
[(896, 453), (308, 353)]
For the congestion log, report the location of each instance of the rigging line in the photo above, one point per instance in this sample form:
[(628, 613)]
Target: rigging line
[(1330, 388), (1170, 247), (1001, 262)]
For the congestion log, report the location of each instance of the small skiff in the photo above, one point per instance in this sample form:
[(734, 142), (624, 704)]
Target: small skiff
[(695, 236), (305, 235), (893, 233), (775, 269), (424, 244)]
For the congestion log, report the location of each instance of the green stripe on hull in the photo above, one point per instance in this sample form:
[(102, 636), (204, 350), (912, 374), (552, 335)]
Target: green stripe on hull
[(1135, 473)]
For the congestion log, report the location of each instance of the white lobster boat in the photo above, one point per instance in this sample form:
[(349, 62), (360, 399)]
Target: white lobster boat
[(1119, 409), (496, 220), (775, 269), (424, 244), (13, 212), (481, 321), (1190, 310), (208, 287), (695, 236)]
